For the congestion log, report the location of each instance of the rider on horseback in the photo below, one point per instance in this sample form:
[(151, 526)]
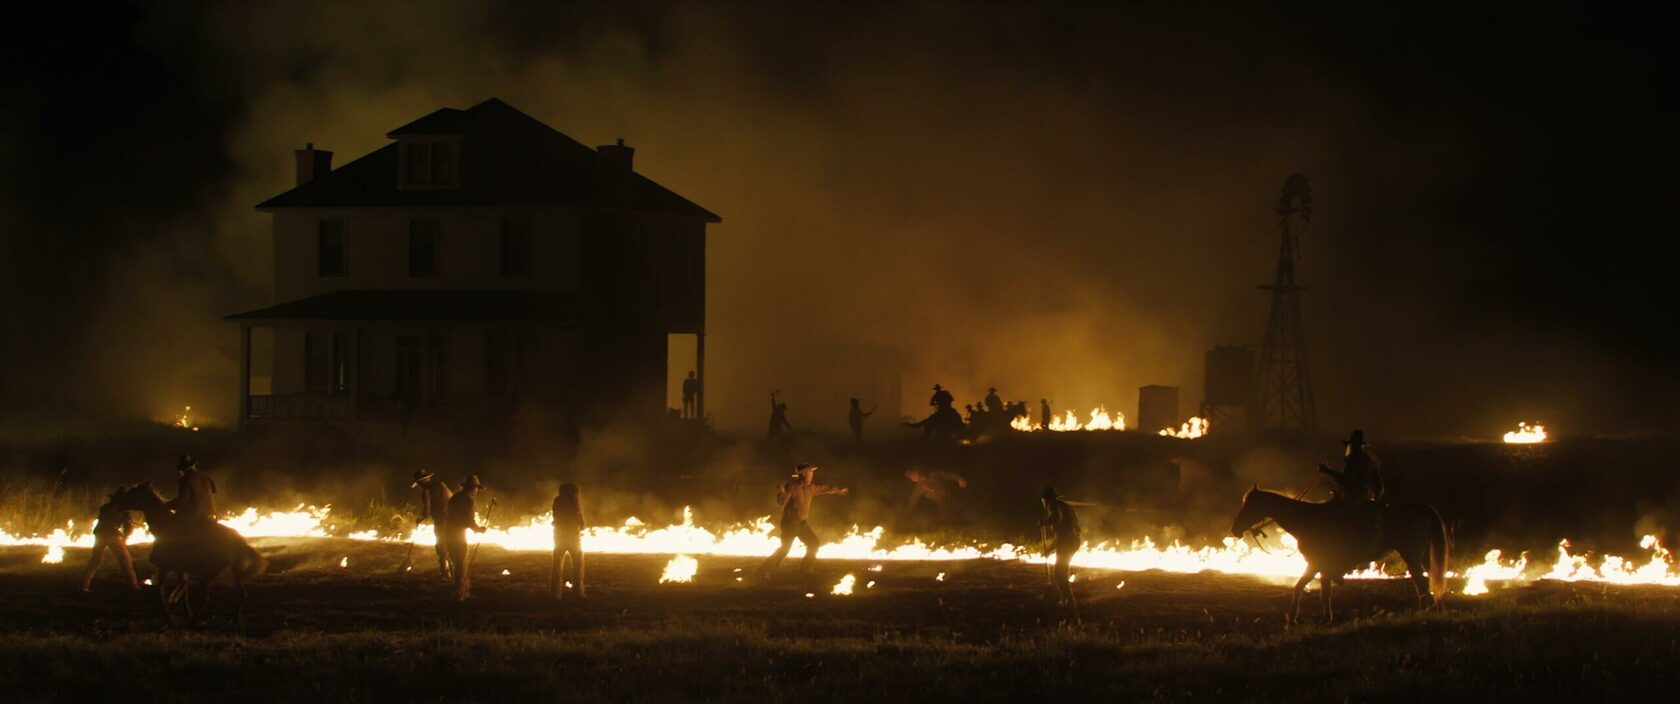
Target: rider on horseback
[(1360, 478)]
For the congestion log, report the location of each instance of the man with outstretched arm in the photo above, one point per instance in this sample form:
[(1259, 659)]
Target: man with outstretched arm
[(795, 497)]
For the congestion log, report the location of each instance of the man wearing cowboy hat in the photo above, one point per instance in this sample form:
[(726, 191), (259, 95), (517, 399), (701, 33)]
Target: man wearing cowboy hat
[(110, 532), (434, 502), (994, 403), (195, 495), (1062, 535), (941, 398), (1360, 478), (461, 517), (795, 497)]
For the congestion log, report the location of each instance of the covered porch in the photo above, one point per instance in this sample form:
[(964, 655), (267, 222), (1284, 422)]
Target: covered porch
[(392, 355)]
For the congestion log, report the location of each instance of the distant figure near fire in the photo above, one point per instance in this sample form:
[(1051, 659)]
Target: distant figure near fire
[(1062, 536), (110, 533), (462, 516), (690, 396), (778, 419), (1044, 415), (935, 488), (567, 569), (195, 495), (434, 504), (795, 497), (994, 403), (855, 416)]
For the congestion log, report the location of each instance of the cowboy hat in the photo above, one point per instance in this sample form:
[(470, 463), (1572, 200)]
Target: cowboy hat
[(801, 467), (1050, 493), (419, 475), (937, 387), (470, 482)]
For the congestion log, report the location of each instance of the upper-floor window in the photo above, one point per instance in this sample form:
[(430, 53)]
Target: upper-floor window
[(422, 248), (516, 247), (330, 248), (428, 164)]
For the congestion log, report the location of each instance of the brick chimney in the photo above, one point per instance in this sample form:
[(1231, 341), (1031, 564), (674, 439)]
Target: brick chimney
[(312, 163), (615, 158)]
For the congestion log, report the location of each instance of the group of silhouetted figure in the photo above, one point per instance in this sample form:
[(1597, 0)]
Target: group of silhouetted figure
[(992, 415)]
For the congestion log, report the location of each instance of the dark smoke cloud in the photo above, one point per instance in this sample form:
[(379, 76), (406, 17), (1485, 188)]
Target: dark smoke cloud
[(1068, 203)]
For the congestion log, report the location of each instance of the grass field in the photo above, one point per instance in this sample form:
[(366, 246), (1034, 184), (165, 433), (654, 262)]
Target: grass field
[(367, 633)]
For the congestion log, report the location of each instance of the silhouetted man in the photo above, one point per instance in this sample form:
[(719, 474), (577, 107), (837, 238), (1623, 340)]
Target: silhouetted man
[(855, 416), (1063, 537), (461, 517), (941, 398), (110, 533), (1044, 412), (434, 506), (195, 494), (691, 396), (795, 497), (778, 419), (994, 404), (1360, 478)]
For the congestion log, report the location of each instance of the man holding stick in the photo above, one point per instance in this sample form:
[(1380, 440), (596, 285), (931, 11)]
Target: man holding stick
[(462, 516)]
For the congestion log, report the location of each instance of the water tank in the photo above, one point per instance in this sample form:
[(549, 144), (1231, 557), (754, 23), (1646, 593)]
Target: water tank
[(1157, 408), (1230, 376)]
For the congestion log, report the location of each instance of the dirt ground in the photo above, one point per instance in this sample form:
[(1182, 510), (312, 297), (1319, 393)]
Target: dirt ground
[(982, 617)]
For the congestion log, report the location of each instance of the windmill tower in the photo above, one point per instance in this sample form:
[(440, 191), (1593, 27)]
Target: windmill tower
[(1286, 407)]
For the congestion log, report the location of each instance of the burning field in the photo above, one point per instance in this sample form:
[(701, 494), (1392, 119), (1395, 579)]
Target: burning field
[(336, 619)]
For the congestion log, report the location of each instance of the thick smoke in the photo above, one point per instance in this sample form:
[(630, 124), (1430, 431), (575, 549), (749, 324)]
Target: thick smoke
[(1067, 204)]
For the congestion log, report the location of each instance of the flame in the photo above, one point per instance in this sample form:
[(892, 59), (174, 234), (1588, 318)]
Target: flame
[(182, 421), (1192, 429), (55, 555), (1279, 561), (680, 569), (1098, 419), (844, 588), (1568, 567), (1526, 434), (344, 562)]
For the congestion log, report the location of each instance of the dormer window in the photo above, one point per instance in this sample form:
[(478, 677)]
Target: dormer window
[(427, 163)]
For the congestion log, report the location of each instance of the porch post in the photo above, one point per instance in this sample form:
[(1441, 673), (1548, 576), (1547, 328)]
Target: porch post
[(244, 374), (355, 371), (700, 374)]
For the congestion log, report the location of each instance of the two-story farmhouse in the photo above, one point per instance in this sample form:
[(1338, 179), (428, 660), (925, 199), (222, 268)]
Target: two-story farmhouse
[(482, 259)]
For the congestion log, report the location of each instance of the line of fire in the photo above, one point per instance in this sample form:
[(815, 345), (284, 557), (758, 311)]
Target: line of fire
[(504, 416)]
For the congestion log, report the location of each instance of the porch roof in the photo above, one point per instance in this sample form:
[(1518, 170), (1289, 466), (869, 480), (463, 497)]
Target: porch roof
[(451, 306)]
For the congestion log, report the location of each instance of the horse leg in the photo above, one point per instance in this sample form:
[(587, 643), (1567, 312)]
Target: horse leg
[(1295, 598), (1420, 583), (198, 595), (1325, 581)]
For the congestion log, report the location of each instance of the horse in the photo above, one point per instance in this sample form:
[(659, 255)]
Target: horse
[(194, 549), (1335, 540), (944, 423)]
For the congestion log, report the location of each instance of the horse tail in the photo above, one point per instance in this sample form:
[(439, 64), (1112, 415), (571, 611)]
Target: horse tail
[(250, 564), (1440, 547)]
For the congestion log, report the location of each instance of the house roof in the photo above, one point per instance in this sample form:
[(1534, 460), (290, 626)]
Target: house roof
[(462, 306), (507, 158)]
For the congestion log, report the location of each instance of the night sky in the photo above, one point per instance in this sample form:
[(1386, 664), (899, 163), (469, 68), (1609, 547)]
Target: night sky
[(1066, 202)]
